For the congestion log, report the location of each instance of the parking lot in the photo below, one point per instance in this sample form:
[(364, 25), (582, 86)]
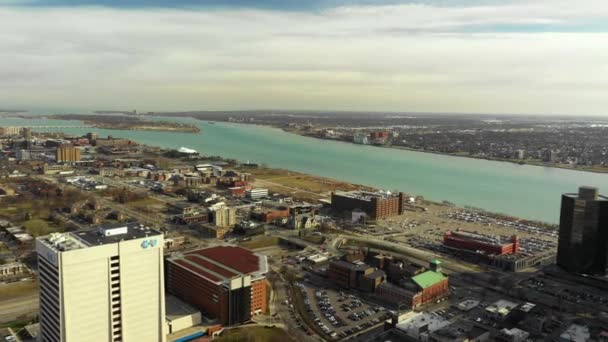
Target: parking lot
[(339, 314)]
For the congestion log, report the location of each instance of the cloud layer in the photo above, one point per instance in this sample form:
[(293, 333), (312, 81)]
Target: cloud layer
[(521, 57)]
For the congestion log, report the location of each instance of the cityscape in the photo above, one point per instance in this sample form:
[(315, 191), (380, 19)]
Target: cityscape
[(303, 171), (107, 239)]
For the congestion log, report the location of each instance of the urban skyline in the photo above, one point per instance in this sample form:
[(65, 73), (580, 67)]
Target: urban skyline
[(127, 241)]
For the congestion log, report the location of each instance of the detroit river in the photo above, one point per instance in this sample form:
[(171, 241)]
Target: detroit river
[(530, 192)]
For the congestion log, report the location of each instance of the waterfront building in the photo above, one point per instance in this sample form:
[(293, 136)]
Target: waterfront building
[(461, 239), (377, 205), (10, 131), (378, 137), (256, 194), (92, 136), (583, 232), (361, 138), (227, 282), (103, 284)]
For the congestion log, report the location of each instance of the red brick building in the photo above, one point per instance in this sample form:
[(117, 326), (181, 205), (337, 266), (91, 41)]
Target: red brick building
[(270, 215), (377, 205), (424, 288), (225, 282), (476, 242)]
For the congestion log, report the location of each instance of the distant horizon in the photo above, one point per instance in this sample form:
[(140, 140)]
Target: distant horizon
[(299, 111)]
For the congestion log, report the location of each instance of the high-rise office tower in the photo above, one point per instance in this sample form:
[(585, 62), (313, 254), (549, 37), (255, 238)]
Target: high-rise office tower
[(225, 217), (583, 232), (104, 284), (26, 133)]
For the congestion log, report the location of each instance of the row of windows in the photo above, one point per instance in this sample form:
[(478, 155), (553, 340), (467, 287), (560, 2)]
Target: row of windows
[(116, 305), (48, 328)]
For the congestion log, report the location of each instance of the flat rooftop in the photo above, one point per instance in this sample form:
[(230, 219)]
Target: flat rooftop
[(102, 235), (133, 231), (175, 308), (350, 265), (432, 322), (460, 331), (588, 193), (501, 307), (366, 195)]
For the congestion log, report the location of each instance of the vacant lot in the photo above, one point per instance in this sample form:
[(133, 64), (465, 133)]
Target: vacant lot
[(147, 205), (296, 184), (254, 334)]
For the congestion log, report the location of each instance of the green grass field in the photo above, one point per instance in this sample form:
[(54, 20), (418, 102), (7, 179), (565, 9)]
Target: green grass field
[(261, 242)]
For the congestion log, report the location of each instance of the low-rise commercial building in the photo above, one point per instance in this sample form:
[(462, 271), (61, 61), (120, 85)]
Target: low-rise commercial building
[(256, 194), (461, 331), (270, 215), (421, 289), (461, 239), (180, 315), (419, 326), (211, 231), (347, 274), (512, 335), (500, 309)]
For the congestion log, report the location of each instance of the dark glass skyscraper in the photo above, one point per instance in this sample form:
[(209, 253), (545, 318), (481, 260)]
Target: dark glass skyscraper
[(583, 232)]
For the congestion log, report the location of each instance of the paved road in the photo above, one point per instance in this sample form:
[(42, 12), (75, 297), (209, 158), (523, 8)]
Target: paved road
[(449, 266), (11, 309)]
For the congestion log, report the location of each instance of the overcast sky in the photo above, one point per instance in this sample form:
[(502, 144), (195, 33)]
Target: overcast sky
[(484, 56)]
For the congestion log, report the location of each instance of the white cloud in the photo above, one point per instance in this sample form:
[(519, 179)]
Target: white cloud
[(401, 58)]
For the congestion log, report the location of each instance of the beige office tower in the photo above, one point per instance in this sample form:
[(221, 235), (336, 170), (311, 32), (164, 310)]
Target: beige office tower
[(104, 284)]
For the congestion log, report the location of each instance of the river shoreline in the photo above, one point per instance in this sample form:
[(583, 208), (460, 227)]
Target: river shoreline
[(128, 125), (527, 192), (520, 162)]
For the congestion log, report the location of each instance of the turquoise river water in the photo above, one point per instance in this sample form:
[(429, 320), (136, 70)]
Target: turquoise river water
[(531, 192)]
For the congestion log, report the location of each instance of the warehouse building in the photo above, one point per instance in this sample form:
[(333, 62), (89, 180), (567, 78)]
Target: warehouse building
[(232, 279), (180, 315), (489, 245), (256, 194), (376, 205)]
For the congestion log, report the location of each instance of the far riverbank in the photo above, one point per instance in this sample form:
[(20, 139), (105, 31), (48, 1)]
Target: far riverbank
[(593, 169)]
